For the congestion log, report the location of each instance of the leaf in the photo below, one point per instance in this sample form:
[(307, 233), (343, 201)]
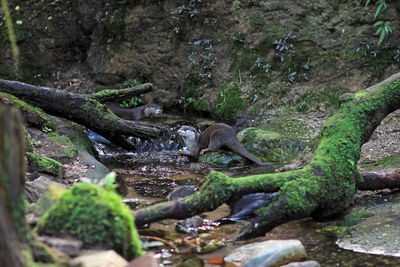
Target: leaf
[(381, 37), (378, 23), (367, 3)]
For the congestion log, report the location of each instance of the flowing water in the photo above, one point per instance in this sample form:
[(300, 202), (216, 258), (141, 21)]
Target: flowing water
[(149, 174)]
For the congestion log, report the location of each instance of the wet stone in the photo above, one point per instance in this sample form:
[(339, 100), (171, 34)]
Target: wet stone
[(373, 227), (267, 253)]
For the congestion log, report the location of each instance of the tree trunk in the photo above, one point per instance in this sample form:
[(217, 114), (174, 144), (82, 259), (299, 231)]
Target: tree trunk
[(324, 187), (85, 110), (13, 227)]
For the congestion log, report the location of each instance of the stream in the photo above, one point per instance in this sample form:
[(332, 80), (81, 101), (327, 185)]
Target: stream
[(149, 174)]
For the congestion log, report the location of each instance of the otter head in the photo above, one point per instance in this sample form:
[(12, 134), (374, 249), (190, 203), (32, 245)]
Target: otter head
[(152, 110), (189, 135)]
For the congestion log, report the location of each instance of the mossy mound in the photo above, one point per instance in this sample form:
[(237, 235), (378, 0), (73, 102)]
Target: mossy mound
[(95, 216), (271, 146)]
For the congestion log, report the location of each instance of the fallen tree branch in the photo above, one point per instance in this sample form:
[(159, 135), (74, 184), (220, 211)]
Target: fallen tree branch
[(82, 109), (322, 188), (379, 180), (115, 95)]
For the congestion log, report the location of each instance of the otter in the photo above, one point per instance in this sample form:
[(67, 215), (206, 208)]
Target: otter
[(137, 113), (211, 139)]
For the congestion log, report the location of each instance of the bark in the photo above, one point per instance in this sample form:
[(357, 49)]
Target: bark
[(13, 227), (324, 187), (85, 110)]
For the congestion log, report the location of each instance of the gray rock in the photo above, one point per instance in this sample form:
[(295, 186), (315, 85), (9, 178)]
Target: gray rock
[(182, 191), (107, 258), (302, 264), (271, 252), (35, 189), (70, 247), (96, 170)]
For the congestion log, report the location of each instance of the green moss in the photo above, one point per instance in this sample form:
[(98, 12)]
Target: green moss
[(95, 216), (63, 143), (392, 161), (230, 102), (44, 164), (107, 92), (92, 105), (357, 216), (332, 230), (28, 141), (81, 141)]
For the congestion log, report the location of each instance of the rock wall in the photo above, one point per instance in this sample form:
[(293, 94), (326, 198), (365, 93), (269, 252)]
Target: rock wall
[(193, 50)]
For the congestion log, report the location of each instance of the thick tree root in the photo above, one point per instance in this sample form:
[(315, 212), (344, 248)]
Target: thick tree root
[(324, 187)]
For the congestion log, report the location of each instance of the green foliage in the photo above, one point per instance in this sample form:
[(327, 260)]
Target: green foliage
[(186, 102), (230, 102), (94, 215), (132, 103), (131, 83), (384, 28)]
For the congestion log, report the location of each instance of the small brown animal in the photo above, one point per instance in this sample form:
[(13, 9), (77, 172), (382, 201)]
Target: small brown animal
[(211, 139), (137, 113)]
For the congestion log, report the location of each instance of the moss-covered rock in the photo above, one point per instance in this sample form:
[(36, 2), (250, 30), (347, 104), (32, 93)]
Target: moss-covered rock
[(44, 164), (58, 147), (271, 146), (95, 216)]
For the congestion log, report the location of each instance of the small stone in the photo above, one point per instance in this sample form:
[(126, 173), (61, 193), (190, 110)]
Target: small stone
[(70, 247), (302, 264)]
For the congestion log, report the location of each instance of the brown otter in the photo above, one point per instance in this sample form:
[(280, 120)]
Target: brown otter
[(211, 139), (137, 113)]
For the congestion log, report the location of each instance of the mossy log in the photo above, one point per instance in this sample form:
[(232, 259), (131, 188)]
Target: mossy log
[(115, 95), (13, 226), (83, 109), (322, 188)]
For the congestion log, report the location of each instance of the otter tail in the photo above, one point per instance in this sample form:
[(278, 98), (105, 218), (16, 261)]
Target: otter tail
[(239, 149)]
